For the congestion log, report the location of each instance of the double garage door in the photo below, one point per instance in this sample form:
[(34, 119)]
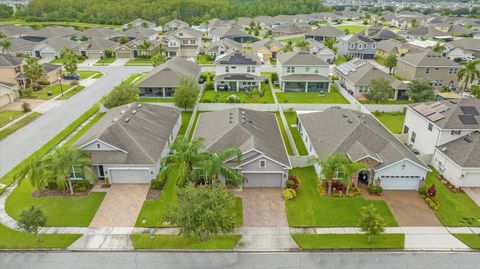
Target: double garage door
[(130, 176), (263, 180), (400, 183), (4, 99), (471, 180)]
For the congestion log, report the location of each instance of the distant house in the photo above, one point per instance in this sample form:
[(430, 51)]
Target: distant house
[(221, 47), (10, 78), (165, 78), (264, 161), (174, 25), (357, 46), (364, 139), (237, 71), (100, 32), (395, 47), (378, 33), (128, 142), (95, 48), (268, 48), (50, 48), (51, 73), (143, 33), (293, 28), (15, 31), (322, 51), (355, 77), (19, 47), (428, 65), (301, 71), (51, 32), (423, 32), (184, 42), (138, 23), (232, 32), (324, 32), (469, 45)]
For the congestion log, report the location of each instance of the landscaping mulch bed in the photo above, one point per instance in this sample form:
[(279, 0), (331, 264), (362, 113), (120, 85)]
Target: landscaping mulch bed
[(153, 194), (449, 185), (51, 192)]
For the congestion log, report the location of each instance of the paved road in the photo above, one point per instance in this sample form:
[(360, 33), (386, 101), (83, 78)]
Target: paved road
[(16, 147), (158, 260)]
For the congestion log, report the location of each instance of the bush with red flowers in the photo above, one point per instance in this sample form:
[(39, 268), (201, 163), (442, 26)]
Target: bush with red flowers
[(293, 182), (432, 191)]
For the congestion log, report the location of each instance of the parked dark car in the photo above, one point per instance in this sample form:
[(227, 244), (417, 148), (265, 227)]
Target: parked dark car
[(71, 76)]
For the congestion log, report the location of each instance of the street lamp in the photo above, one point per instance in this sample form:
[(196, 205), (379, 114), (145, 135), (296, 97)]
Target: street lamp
[(61, 88)]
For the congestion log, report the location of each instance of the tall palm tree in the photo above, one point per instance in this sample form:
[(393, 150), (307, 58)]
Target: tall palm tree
[(468, 73), (69, 60), (214, 165), (5, 44), (36, 172), (33, 71), (302, 44), (391, 62)]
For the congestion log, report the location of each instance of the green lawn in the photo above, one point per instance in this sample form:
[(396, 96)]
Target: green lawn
[(294, 40), (310, 209), (87, 74), (60, 60), (12, 239), (380, 60), (352, 28), (140, 61), (71, 92), (388, 102), (19, 124), (192, 131), (63, 23), (7, 116), (143, 241), (291, 118), (393, 121), (333, 97), (54, 89), (471, 240), (349, 241), (453, 206), (105, 61), (186, 116), (210, 96), (156, 99), (135, 77), (284, 134), (205, 59)]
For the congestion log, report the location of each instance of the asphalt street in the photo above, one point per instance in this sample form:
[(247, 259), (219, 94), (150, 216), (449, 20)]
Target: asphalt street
[(21, 144), (159, 260)]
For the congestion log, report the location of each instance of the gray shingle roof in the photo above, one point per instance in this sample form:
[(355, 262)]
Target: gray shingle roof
[(427, 58), (100, 44), (48, 67), (228, 43), (143, 137), (463, 152), (10, 60), (22, 44), (54, 31), (328, 31), (451, 118), (228, 31), (471, 44), (139, 32), (267, 43), (15, 30), (356, 134), (300, 57), (99, 32), (236, 57), (59, 43), (259, 131), (170, 73)]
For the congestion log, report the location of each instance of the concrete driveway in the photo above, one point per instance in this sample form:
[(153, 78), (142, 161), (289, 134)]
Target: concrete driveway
[(263, 207), (121, 205), (474, 194), (409, 209)]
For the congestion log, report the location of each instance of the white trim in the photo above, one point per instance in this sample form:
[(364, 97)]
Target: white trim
[(262, 155), (98, 140), (404, 159), (262, 172), (459, 166)]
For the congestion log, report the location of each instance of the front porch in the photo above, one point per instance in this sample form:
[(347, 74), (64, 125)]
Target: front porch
[(305, 86), (157, 92), (237, 82)]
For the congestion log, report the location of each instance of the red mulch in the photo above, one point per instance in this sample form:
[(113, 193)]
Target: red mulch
[(449, 185), (52, 192)]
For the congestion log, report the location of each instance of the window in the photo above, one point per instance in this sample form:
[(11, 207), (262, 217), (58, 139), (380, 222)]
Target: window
[(352, 45), (452, 71), (193, 42), (98, 145), (290, 69), (405, 129), (374, 45), (185, 42), (263, 163), (427, 70), (227, 69), (248, 69), (363, 89), (253, 69), (414, 135), (430, 126), (307, 69), (316, 70)]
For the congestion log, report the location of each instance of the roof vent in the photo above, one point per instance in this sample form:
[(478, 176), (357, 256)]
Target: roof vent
[(139, 105), (243, 112), (114, 120), (350, 121), (444, 149), (127, 119), (244, 121), (453, 102), (468, 138), (134, 111), (345, 115), (123, 111)]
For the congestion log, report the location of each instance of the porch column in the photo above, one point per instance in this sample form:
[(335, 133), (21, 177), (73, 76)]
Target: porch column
[(215, 85), (238, 86), (306, 86), (163, 89), (283, 86), (329, 85), (395, 95)]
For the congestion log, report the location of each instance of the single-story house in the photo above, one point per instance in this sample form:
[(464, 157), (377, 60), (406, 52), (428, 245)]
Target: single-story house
[(14, 31), (293, 28), (50, 32), (221, 47), (323, 52), (128, 142), (8, 93), (50, 48), (20, 46), (165, 78), (362, 138), (232, 32), (95, 48), (324, 32), (100, 32), (264, 162), (51, 73)]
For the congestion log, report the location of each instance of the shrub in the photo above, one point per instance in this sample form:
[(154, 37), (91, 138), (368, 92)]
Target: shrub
[(43, 82), (338, 186), (209, 85), (26, 107), (432, 203), (354, 192), (233, 99), (28, 92), (289, 194), (80, 185), (375, 189), (158, 183), (293, 183), (423, 191), (432, 191), (73, 83)]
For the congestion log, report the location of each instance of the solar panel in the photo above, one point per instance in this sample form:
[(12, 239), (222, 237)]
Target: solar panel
[(435, 117), (441, 108), (435, 104), (469, 110), (420, 108), (427, 112), (467, 119)]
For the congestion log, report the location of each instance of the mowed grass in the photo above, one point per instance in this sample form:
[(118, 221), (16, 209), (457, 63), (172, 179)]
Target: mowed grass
[(55, 90), (60, 210), (291, 118), (333, 97), (471, 240), (205, 59), (284, 134), (7, 116), (134, 78), (72, 92), (19, 124), (11, 239), (454, 207), (186, 116), (86, 74), (393, 121), (212, 96), (310, 209), (140, 61), (353, 29), (349, 241), (60, 60), (105, 61), (143, 241)]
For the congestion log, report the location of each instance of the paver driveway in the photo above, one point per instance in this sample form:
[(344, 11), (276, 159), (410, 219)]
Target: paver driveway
[(263, 207), (121, 205), (409, 209)]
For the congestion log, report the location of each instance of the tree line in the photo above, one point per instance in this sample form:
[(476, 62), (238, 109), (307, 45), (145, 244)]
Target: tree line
[(192, 11)]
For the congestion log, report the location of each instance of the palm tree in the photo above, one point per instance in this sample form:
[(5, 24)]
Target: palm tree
[(288, 47), (468, 73), (350, 169), (35, 172), (5, 44), (438, 48), (69, 60), (390, 62), (33, 71), (214, 165), (302, 44)]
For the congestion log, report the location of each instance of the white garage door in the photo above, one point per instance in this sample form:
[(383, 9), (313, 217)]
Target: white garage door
[(400, 183), (262, 180), (471, 180), (4, 99), (129, 176)]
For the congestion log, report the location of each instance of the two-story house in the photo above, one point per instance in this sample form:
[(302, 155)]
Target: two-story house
[(221, 47), (437, 69), (237, 70), (10, 72), (357, 46), (302, 71), (138, 23), (447, 132), (184, 42)]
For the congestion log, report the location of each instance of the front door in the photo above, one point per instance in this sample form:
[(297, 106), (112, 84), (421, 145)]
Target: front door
[(101, 172)]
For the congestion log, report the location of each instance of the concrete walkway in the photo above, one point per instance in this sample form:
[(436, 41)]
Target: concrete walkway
[(266, 239)]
